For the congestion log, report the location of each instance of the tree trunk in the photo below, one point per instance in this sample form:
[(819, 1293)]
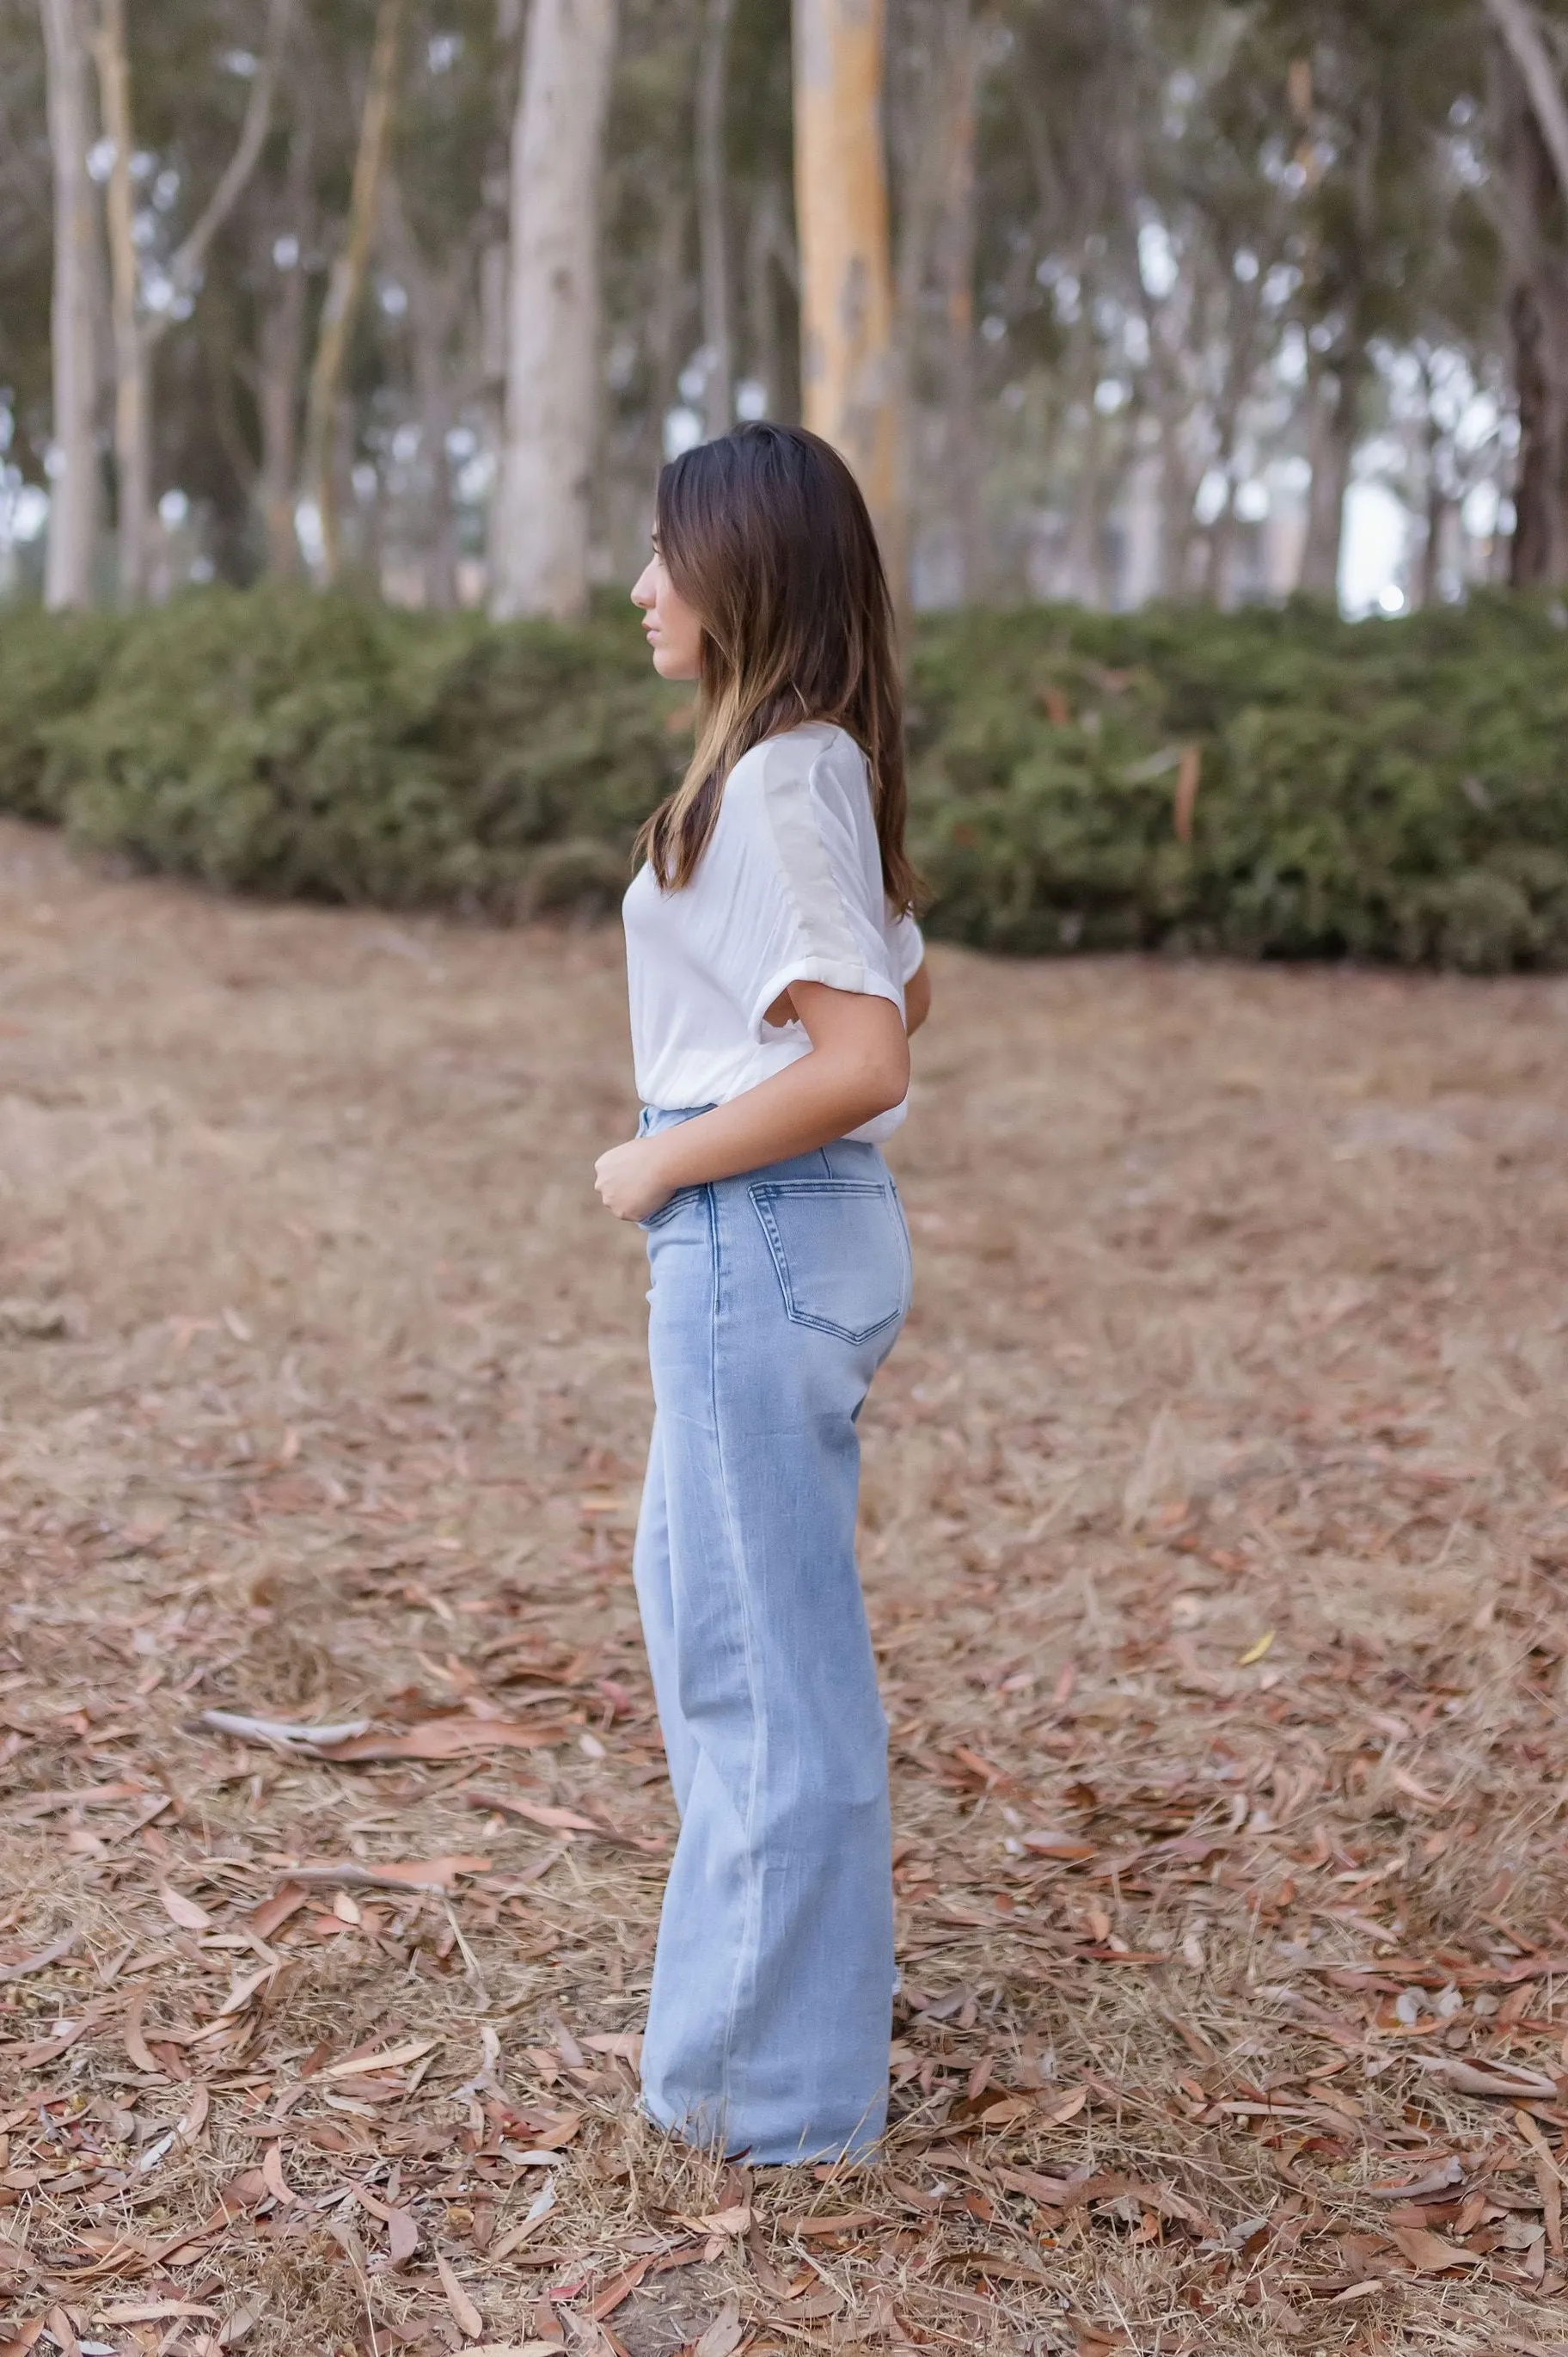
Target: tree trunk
[(1335, 423), (436, 297), (541, 520), (713, 217), (1179, 521), (73, 505), (132, 448), (956, 247), (1519, 31), (347, 284), (847, 360), (764, 343), (1538, 315), (1218, 552), (281, 355), (1220, 548), (1083, 562), (1439, 509), (667, 316), (437, 418)]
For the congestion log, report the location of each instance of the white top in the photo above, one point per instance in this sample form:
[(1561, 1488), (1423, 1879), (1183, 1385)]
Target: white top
[(789, 890)]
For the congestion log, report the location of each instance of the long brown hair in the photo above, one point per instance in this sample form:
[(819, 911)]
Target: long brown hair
[(766, 536)]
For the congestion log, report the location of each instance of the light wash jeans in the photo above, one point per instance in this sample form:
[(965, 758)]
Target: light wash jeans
[(776, 1296)]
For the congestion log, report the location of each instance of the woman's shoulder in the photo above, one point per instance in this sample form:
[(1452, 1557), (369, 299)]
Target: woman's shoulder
[(817, 753)]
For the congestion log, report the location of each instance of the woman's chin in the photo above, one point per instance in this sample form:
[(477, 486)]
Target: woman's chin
[(668, 665)]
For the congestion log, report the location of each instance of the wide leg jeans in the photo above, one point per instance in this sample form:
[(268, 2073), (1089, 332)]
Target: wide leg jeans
[(775, 1298)]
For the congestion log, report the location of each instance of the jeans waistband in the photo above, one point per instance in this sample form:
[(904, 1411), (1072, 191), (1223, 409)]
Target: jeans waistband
[(656, 1118)]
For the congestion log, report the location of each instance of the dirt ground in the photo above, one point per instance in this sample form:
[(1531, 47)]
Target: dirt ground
[(1216, 1534)]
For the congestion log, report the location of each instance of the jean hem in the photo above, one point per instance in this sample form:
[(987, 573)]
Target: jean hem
[(801, 2155)]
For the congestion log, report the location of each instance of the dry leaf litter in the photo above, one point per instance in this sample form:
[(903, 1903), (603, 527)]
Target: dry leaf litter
[(1216, 1535)]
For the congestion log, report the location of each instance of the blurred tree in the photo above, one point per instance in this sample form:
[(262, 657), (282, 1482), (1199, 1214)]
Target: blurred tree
[(146, 304), (443, 212), (848, 364), (345, 287), (541, 525), (26, 228), (938, 50), (713, 215), (1148, 259), (74, 520), (1371, 84), (1531, 134)]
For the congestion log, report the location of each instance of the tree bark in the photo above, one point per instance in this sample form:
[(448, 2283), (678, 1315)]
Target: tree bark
[(764, 340), (713, 217), (280, 361), (437, 297), (73, 505), (1083, 562), (1219, 551), (1335, 424), (1537, 314), (1178, 520), (1439, 508), (848, 364), (540, 522), (346, 286), (1519, 29), (956, 251), (132, 448)]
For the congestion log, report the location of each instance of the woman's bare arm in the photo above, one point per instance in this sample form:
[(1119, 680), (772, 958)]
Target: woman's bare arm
[(917, 1003), (858, 1067), (917, 998)]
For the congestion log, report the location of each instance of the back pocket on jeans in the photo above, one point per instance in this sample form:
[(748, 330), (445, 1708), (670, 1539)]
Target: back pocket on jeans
[(840, 1250)]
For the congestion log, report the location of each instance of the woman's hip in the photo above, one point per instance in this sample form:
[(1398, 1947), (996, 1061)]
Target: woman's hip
[(809, 1256)]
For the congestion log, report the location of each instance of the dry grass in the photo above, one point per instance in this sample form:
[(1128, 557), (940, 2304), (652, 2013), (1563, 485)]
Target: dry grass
[(1241, 1318)]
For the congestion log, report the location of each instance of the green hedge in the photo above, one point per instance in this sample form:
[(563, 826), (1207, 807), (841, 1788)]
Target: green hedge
[(1396, 790), (330, 748), (1390, 791)]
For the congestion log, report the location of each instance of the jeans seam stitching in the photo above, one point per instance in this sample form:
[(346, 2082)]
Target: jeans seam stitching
[(747, 1941)]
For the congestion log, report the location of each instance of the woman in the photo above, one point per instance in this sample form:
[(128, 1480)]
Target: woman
[(775, 971)]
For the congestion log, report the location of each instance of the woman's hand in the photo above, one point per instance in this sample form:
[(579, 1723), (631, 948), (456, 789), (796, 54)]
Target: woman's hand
[(630, 1180), (858, 1067)]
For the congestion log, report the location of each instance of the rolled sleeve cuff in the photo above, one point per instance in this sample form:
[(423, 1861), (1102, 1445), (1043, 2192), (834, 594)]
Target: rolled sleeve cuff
[(858, 979)]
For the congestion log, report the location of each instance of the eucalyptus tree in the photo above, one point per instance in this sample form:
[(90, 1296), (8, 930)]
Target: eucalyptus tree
[(1372, 86), (1529, 139), (152, 289), (73, 524), (540, 527), (848, 362), (441, 330)]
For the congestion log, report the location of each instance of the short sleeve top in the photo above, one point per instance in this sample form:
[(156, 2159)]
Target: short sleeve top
[(789, 889)]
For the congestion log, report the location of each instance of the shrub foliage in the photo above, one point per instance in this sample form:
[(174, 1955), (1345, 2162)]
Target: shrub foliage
[(1263, 784)]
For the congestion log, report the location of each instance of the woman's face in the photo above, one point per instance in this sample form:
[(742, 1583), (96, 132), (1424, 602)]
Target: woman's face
[(674, 630)]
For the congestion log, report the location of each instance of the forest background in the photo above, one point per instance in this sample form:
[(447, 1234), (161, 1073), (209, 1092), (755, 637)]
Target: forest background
[(1169, 315), (1137, 294)]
